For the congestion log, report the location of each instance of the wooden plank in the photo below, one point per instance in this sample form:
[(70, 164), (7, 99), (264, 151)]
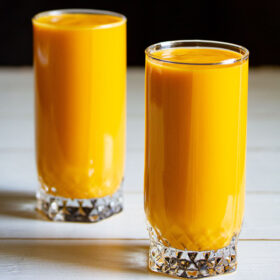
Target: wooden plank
[(19, 133), (127, 259), (262, 169), (263, 91), (17, 99), (18, 219), (124, 257), (16, 109)]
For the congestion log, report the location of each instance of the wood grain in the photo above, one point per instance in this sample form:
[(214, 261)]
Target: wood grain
[(34, 248)]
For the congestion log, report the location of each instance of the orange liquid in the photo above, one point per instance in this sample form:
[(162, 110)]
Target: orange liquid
[(195, 147), (80, 95)]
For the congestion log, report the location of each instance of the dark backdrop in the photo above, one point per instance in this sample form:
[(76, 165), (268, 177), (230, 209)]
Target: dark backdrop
[(254, 24)]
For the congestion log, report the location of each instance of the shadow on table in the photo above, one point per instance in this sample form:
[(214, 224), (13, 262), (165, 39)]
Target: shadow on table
[(120, 256), (18, 204)]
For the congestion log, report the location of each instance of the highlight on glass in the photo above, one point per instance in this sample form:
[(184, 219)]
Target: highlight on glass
[(80, 109), (196, 117)]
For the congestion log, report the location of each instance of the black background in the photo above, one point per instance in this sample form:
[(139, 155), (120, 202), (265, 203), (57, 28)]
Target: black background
[(254, 24)]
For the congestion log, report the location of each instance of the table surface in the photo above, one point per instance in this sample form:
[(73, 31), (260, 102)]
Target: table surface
[(116, 248)]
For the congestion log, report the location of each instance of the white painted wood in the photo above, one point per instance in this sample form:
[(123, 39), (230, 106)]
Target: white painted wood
[(19, 133), (16, 109), (126, 259), (18, 169), (118, 259), (136, 93), (16, 133), (17, 89), (264, 92), (264, 133), (263, 170), (16, 92), (19, 219)]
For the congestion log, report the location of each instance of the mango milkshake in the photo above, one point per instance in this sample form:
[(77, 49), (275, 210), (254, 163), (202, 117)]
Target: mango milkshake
[(80, 101), (196, 111)]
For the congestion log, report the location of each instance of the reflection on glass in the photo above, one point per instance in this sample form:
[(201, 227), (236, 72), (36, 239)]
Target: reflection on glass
[(80, 95), (196, 111)]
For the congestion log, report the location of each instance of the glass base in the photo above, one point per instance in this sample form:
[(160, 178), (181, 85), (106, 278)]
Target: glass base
[(191, 264), (79, 210)]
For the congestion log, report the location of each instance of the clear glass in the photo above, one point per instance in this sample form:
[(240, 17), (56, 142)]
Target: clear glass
[(195, 150), (80, 112)]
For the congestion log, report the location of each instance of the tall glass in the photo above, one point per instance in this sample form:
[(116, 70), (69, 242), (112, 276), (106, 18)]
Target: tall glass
[(196, 111), (80, 106)]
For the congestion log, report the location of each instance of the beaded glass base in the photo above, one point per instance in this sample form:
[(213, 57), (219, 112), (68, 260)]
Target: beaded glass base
[(191, 264), (79, 210)]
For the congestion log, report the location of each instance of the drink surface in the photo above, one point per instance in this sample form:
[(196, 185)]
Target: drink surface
[(195, 147), (196, 55), (76, 21), (80, 95)]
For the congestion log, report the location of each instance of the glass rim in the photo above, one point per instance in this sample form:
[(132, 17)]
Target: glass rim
[(197, 43), (81, 11)]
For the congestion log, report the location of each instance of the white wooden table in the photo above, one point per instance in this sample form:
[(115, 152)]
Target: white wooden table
[(33, 248)]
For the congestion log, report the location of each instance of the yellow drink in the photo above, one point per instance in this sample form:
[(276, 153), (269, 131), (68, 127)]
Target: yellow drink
[(196, 111), (80, 87)]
